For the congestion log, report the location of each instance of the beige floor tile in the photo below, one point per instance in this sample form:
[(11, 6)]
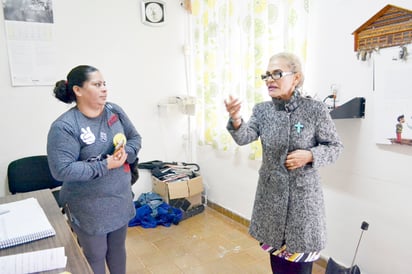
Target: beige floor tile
[(152, 260), (207, 243), (261, 266), (241, 259), (186, 261), (164, 268)]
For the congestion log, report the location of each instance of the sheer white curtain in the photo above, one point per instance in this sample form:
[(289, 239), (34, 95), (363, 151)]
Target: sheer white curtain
[(232, 42)]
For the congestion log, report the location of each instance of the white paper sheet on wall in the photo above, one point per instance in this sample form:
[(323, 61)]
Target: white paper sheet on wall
[(30, 44)]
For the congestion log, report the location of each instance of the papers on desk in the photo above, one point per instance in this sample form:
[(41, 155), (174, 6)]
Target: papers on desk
[(33, 262), (22, 222)]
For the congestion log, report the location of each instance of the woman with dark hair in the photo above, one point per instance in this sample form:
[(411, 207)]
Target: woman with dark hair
[(298, 136), (89, 149)]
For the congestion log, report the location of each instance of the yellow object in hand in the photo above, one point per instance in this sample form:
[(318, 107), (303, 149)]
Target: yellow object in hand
[(119, 140)]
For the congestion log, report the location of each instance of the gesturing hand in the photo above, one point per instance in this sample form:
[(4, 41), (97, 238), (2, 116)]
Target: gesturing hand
[(233, 106)]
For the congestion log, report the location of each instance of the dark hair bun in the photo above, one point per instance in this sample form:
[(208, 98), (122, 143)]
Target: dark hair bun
[(61, 92)]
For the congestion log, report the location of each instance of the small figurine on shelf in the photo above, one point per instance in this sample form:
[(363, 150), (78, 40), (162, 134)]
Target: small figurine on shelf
[(399, 128)]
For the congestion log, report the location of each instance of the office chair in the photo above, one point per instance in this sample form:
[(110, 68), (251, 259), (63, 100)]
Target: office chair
[(30, 174)]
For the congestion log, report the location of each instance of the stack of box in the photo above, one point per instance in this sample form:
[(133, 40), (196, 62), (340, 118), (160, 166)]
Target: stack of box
[(185, 194)]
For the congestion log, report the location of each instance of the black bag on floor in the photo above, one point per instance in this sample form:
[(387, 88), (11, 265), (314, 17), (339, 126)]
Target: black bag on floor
[(160, 168), (334, 268)]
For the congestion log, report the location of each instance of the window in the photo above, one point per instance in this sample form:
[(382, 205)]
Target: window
[(233, 41)]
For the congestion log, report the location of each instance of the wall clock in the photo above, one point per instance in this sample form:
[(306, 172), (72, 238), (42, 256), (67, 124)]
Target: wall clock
[(153, 12)]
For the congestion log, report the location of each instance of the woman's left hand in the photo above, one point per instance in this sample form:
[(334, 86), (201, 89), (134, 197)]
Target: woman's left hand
[(298, 158)]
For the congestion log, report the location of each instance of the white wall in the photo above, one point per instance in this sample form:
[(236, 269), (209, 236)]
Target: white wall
[(369, 182), (145, 65), (142, 65)]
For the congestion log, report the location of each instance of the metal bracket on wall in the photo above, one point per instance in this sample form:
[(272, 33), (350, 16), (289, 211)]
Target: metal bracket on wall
[(354, 108)]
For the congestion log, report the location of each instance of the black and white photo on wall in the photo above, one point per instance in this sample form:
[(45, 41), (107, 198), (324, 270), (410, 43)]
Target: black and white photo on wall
[(39, 11)]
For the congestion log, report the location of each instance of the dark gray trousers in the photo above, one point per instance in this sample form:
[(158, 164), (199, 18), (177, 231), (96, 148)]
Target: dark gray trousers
[(109, 248), (282, 266)]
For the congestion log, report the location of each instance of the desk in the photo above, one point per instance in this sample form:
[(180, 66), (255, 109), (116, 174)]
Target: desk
[(76, 262)]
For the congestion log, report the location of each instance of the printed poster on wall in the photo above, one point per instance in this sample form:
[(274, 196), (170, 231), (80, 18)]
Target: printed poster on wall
[(29, 34), (393, 99)]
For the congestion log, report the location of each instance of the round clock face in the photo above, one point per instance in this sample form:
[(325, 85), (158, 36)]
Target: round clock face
[(154, 12)]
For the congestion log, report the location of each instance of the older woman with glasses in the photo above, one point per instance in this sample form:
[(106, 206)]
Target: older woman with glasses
[(298, 136)]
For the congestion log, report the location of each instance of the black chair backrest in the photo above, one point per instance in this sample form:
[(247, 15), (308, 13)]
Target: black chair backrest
[(30, 174)]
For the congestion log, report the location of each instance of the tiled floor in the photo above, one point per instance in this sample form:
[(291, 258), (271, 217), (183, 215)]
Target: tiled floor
[(206, 243)]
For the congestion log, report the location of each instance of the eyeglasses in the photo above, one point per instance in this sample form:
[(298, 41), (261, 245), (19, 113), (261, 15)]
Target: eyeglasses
[(276, 74)]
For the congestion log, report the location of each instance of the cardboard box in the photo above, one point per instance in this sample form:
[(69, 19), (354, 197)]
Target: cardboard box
[(188, 193)]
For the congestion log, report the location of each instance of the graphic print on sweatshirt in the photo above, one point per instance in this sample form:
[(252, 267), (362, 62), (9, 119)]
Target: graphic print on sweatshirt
[(87, 136)]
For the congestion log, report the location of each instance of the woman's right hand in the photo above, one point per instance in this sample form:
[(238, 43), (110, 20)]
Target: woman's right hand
[(117, 159)]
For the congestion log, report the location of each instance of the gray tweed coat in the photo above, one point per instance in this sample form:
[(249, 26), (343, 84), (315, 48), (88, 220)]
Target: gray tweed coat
[(289, 205)]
